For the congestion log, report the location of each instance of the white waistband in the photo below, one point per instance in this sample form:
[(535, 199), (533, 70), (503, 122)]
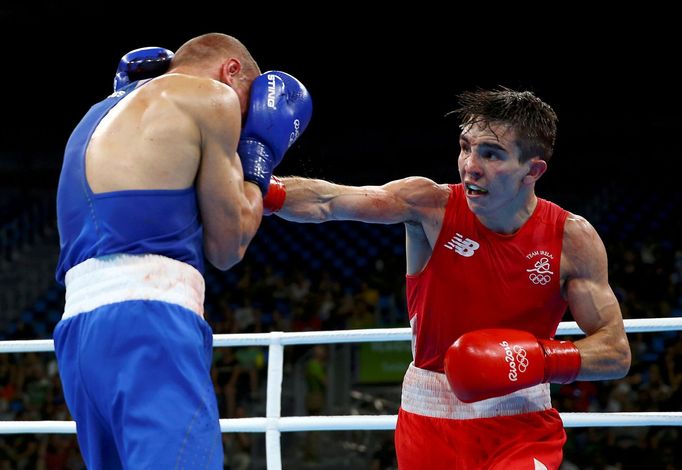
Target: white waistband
[(117, 278), (428, 393)]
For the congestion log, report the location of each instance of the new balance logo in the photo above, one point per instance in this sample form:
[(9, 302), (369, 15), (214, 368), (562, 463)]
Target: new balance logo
[(462, 246)]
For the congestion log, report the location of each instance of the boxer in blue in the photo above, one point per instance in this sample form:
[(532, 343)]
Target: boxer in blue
[(156, 177)]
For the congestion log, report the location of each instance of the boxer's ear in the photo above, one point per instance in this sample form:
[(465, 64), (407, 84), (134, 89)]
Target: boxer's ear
[(536, 168)]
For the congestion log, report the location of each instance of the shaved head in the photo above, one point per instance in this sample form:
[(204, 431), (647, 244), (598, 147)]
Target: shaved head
[(215, 47)]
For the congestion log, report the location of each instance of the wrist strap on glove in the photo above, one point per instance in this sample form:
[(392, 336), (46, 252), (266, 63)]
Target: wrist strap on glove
[(562, 361), (256, 160)]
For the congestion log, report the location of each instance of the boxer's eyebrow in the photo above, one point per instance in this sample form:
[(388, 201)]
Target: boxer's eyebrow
[(484, 145)]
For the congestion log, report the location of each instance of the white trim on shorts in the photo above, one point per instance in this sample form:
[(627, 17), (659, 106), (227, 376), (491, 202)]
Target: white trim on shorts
[(118, 278), (428, 393)]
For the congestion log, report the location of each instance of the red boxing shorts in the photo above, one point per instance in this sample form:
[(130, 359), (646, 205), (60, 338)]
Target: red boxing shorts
[(436, 431)]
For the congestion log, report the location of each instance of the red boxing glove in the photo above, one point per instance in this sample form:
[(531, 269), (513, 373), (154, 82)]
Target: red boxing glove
[(274, 198), (490, 363)]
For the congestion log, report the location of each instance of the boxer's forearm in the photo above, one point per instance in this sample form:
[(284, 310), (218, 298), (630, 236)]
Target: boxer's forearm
[(312, 200), (308, 200)]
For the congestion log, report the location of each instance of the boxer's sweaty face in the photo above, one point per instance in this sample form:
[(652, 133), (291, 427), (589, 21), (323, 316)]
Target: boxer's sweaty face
[(489, 166)]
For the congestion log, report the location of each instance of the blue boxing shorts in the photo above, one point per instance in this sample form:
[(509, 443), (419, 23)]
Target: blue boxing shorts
[(134, 356)]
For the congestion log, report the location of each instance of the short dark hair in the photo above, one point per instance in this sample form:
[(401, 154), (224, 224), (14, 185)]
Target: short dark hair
[(533, 120)]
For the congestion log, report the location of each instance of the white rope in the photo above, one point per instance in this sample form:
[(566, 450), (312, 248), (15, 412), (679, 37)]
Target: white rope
[(27, 345), (37, 427), (634, 325), (582, 420), (639, 325), (358, 423)]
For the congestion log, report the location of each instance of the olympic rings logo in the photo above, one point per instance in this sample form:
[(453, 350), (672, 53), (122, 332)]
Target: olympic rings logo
[(521, 359), (541, 279), (516, 358), (540, 273)]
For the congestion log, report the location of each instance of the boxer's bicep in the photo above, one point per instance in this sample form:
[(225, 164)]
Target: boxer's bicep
[(593, 304)]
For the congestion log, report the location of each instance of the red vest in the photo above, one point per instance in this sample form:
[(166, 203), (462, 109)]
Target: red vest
[(477, 278)]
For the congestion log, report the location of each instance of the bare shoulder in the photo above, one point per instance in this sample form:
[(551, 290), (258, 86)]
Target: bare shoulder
[(583, 249), (578, 231), (180, 85), (425, 201), (419, 191), (203, 98)]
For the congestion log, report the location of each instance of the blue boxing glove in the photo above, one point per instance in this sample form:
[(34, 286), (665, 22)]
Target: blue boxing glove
[(138, 64), (280, 109)]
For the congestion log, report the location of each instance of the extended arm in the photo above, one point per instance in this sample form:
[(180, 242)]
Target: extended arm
[(605, 352), (312, 200)]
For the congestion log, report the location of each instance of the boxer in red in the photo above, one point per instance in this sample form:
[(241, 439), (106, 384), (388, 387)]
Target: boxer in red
[(491, 270)]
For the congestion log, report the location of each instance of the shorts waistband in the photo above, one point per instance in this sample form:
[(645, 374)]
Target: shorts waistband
[(428, 393), (118, 278)]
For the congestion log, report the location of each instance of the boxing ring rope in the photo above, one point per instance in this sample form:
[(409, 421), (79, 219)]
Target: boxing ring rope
[(273, 424)]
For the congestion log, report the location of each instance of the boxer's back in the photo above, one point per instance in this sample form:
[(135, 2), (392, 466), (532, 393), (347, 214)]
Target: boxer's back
[(127, 180), (150, 140)]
